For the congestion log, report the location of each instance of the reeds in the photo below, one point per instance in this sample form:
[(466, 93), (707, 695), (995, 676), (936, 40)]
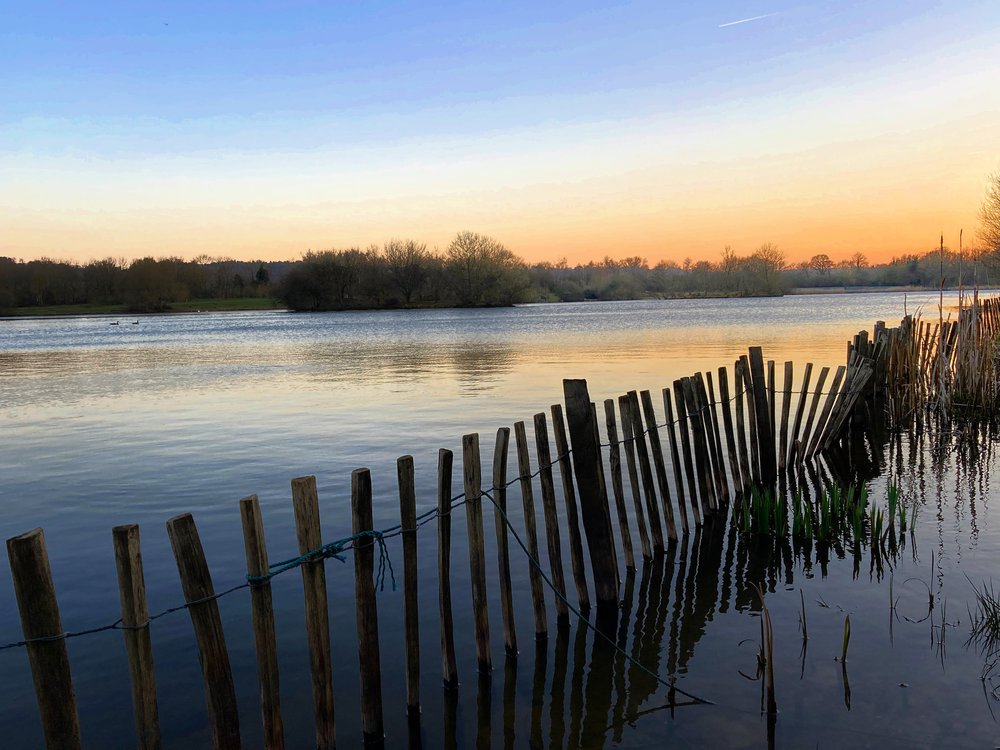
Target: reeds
[(836, 516)]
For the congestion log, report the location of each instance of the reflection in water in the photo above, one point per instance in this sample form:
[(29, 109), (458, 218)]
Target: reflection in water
[(596, 698)]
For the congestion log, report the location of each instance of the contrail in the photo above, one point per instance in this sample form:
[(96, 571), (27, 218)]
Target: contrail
[(746, 20)]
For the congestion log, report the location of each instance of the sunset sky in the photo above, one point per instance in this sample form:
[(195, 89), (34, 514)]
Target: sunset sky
[(565, 129)]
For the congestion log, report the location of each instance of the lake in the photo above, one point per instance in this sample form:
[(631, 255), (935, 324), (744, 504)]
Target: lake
[(134, 423)]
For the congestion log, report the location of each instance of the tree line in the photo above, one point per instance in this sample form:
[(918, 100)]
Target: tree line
[(474, 270)]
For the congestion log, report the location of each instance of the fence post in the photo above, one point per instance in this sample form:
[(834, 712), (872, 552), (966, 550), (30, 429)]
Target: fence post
[(628, 442), (305, 503), (449, 667), (645, 472), (477, 554), (366, 608), (263, 623), (656, 450), (531, 532), (196, 581), (586, 454), (553, 542), (503, 546), (572, 513), (617, 484), (138, 645), (762, 414), (411, 610), (39, 610)]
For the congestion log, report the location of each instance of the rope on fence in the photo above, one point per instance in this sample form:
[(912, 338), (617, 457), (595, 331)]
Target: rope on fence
[(337, 548)]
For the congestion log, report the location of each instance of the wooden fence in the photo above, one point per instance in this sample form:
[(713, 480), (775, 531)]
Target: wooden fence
[(716, 438)]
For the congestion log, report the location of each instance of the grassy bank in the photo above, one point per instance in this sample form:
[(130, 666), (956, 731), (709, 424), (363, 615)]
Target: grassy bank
[(193, 305)]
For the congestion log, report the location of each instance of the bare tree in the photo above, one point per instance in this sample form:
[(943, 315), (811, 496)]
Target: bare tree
[(407, 265), (859, 260), (989, 216)]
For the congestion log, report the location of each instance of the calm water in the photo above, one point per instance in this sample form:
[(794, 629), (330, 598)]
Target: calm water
[(104, 425)]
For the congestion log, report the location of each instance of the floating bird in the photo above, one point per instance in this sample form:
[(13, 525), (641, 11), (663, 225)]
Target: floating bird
[(115, 323)]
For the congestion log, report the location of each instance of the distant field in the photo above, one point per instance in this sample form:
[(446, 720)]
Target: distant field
[(194, 305)]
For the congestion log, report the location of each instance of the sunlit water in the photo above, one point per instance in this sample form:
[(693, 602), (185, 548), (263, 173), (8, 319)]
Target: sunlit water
[(133, 423)]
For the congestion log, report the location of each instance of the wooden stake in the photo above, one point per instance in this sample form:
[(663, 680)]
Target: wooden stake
[(305, 503), (586, 454), (503, 546), (572, 513), (551, 516), (366, 607), (39, 610), (262, 613), (196, 581), (633, 477), (675, 460), (661, 470), (617, 485), (449, 665), (411, 601), (531, 532), (649, 490), (477, 553)]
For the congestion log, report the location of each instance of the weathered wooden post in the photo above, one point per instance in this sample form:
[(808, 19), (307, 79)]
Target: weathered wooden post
[(503, 546), (799, 411), (449, 665), (633, 477), (477, 553), (656, 449), (786, 397), (39, 610), (675, 461), (366, 607), (617, 483), (531, 532), (411, 607), (551, 516), (262, 610), (196, 581), (572, 512), (727, 421), (305, 503), (761, 412), (645, 472), (586, 454), (138, 645)]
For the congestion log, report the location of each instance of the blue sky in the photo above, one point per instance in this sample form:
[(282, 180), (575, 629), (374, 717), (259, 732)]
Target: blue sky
[(110, 107)]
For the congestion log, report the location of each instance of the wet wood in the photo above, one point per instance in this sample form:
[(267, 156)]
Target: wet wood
[(199, 593), (628, 445), (531, 533), (701, 454), (804, 438), (366, 607), (831, 398), (799, 411), (49, 660), (305, 503), (472, 471), (752, 434), (500, 450), (684, 428), (765, 431), (717, 469), (617, 483), (405, 481), (602, 485), (786, 402), (551, 515), (656, 450), (727, 422), (572, 511), (716, 435), (449, 665), (262, 616), (586, 455), (645, 473), (746, 473), (675, 462)]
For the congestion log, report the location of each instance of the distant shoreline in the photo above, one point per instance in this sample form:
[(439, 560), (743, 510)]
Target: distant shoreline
[(270, 304)]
